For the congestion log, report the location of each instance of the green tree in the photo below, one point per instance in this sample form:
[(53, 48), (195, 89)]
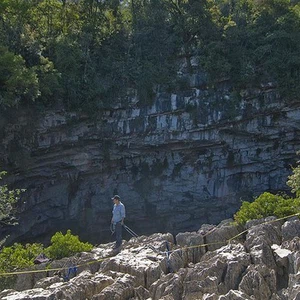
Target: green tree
[(17, 81), (265, 205), (193, 25), (20, 256), (89, 53), (283, 43), (255, 43), (49, 81), (14, 15), (69, 61), (153, 50)]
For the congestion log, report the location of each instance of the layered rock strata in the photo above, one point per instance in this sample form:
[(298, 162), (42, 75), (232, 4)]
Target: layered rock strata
[(187, 159)]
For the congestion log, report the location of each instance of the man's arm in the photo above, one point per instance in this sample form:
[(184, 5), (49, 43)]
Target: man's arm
[(122, 213)]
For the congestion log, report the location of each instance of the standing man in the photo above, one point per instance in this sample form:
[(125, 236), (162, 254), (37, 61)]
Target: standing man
[(118, 219)]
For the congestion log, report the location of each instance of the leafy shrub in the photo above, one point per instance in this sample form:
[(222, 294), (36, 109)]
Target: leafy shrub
[(8, 199), (265, 205), (294, 181), (19, 256), (14, 258), (66, 245)]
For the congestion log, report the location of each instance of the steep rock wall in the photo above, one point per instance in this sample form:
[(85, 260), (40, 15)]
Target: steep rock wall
[(186, 160)]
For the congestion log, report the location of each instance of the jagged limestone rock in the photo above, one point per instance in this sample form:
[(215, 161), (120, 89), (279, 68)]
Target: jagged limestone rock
[(46, 282), (147, 269), (291, 229), (219, 236), (217, 272), (170, 284), (141, 293), (121, 288), (259, 240), (189, 241), (259, 282), (210, 297), (235, 295), (142, 257)]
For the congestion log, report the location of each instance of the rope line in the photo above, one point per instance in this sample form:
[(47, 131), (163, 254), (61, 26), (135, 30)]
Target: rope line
[(55, 269), (268, 222), (234, 237), (161, 252)]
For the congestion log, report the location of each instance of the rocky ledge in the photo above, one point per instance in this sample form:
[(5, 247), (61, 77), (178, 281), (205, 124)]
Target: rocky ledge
[(260, 261)]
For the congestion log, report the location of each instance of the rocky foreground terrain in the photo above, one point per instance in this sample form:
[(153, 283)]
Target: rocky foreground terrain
[(224, 262)]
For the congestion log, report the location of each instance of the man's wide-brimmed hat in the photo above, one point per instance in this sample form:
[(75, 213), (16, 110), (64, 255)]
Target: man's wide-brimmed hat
[(117, 197)]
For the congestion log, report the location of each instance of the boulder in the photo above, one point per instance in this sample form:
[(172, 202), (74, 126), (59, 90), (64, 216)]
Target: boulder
[(169, 285), (141, 262), (259, 282), (141, 293), (290, 229), (46, 282), (259, 240), (36, 294), (192, 245), (121, 288), (235, 295), (219, 236)]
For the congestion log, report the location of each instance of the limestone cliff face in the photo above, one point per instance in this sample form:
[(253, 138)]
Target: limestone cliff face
[(186, 160)]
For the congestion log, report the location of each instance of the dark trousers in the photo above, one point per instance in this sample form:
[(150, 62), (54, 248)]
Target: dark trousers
[(118, 230)]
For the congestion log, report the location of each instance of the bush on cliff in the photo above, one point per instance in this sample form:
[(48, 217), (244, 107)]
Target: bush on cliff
[(18, 257), (267, 204), (66, 245), (14, 258)]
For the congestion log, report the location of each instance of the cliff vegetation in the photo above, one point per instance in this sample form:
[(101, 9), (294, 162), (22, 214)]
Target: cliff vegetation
[(89, 54)]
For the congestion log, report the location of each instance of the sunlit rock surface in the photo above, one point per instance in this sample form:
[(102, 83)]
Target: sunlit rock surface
[(160, 266)]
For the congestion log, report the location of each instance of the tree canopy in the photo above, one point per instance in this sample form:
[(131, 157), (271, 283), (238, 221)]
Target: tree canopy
[(89, 53)]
